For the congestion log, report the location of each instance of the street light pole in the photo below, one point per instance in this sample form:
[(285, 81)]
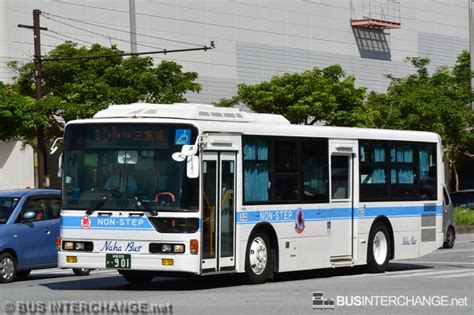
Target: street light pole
[(133, 27)]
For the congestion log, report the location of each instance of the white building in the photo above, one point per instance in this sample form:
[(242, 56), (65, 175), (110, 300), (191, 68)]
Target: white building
[(255, 39)]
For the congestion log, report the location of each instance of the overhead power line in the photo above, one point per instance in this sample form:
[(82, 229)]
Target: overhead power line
[(96, 33), (66, 36), (46, 14)]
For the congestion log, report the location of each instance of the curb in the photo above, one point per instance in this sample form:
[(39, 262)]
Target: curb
[(465, 229)]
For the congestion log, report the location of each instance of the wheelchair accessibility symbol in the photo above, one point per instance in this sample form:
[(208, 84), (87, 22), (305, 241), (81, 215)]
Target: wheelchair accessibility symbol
[(182, 136)]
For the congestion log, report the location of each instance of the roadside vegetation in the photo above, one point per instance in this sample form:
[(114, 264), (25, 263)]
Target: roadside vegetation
[(463, 216), (438, 102)]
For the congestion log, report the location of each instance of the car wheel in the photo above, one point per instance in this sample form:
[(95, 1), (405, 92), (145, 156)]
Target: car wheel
[(378, 251), (7, 268), (22, 274), (450, 238), (137, 277), (258, 260), (81, 271)]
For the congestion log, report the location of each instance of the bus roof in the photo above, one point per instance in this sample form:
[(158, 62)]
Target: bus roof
[(209, 118)]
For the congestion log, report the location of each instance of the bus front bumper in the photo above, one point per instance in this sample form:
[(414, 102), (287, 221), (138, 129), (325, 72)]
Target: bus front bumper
[(151, 262)]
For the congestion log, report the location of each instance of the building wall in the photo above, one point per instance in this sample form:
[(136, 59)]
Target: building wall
[(255, 39), (16, 165)]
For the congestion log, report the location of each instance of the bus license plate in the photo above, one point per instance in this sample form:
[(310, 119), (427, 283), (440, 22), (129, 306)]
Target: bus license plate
[(118, 261)]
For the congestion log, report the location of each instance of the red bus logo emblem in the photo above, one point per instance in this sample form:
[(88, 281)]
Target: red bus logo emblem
[(299, 221), (85, 222)]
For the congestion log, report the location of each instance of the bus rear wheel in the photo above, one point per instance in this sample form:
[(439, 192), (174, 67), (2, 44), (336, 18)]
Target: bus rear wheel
[(137, 277), (258, 259), (378, 252)]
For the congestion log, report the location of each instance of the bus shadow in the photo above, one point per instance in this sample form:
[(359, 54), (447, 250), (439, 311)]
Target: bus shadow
[(393, 268), (116, 282)]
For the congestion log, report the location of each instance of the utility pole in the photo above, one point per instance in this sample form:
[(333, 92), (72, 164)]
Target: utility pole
[(41, 149), (471, 43), (133, 27)]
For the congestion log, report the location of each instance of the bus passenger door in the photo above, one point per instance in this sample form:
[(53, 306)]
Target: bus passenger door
[(341, 218), (218, 180)]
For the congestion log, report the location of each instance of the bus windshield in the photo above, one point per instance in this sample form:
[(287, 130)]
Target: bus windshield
[(128, 165)]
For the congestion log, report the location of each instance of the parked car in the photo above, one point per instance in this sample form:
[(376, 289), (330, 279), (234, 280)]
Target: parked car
[(463, 198), (449, 229), (29, 226)]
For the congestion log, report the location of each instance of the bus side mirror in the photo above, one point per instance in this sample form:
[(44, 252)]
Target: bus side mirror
[(188, 154), (60, 166), (192, 166)]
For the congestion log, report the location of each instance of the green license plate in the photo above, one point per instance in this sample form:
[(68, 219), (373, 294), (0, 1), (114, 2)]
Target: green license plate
[(118, 261)]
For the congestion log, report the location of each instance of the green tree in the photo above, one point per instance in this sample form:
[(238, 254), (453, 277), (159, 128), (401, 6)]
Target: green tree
[(78, 88), (327, 95), (439, 103)]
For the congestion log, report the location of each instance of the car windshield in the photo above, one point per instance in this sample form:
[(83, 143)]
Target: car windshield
[(461, 198), (7, 204), (127, 166)]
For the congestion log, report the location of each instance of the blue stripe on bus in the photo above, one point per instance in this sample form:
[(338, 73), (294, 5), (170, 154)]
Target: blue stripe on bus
[(107, 223), (273, 216), (287, 215)]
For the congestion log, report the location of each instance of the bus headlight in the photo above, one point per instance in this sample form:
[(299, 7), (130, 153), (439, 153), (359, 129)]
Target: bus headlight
[(178, 248), (165, 248), (68, 245), (79, 246)]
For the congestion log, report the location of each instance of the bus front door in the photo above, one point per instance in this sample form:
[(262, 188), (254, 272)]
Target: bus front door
[(218, 182), (341, 222)]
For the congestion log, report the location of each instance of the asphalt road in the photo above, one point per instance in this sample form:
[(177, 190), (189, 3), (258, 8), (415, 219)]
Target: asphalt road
[(428, 285)]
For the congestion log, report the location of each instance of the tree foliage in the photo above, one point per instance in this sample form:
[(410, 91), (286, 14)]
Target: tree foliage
[(80, 88), (314, 95), (440, 102), (75, 89)]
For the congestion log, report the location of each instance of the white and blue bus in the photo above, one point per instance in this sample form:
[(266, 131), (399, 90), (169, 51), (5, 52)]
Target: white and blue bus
[(188, 189)]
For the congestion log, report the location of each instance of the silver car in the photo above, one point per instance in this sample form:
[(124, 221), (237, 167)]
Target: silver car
[(449, 229)]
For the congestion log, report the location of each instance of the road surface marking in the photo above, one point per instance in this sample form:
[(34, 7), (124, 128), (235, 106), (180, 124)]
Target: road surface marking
[(452, 251), (458, 275), (422, 274), (437, 262)]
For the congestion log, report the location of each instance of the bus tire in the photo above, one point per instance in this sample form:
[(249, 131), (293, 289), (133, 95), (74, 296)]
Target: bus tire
[(378, 251), (81, 271), (8, 268), (137, 277), (258, 258)]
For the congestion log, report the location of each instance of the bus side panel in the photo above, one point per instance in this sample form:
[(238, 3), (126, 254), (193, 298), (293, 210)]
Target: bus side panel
[(415, 228), (302, 247)]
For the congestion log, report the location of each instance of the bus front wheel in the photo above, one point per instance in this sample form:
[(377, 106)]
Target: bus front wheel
[(378, 251), (258, 260), (137, 277)]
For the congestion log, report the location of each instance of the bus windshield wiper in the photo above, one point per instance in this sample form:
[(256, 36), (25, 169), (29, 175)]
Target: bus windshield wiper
[(99, 203), (145, 206)]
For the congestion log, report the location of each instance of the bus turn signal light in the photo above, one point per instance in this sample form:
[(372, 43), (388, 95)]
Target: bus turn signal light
[(194, 247), (58, 243)]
